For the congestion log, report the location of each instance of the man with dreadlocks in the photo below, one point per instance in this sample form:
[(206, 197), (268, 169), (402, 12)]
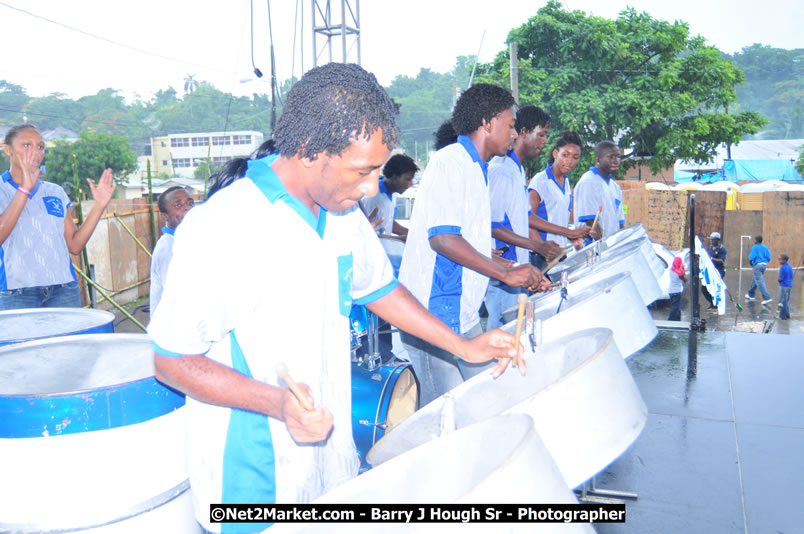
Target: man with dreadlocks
[(447, 261), (250, 440)]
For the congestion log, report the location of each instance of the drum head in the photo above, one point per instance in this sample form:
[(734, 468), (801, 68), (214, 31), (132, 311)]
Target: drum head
[(403, 400), (39, 323), (74, 363)]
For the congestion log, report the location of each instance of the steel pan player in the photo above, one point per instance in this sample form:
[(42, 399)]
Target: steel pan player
[(249, 438)]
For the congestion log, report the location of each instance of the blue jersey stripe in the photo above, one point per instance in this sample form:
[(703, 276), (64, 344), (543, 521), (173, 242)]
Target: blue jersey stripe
[(248, 444)]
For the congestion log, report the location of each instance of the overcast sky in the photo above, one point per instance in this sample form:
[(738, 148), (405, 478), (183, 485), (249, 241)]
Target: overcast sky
[(150, 45)]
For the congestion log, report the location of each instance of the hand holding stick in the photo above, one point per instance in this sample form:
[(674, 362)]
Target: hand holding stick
[(282, 371)]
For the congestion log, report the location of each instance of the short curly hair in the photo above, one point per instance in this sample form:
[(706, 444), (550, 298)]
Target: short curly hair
[(398, 165), (445, 135), (529, 117), (330, 106), (480, 103)]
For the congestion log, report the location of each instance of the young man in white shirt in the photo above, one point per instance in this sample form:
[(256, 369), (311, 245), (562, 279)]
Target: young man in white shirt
[(397, 176), (510, 208), (237, 304), (174, 204), (447, 261), (597, 188)]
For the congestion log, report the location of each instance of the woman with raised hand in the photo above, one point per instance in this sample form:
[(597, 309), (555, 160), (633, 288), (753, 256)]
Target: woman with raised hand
[(37, 231)]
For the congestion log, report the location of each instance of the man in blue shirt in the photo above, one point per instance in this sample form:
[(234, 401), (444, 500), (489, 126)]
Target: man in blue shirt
[(759, 257), (785, 286), (717, 253)]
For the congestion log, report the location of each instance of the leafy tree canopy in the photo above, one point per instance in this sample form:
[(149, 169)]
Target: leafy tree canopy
[(774, 86), (642, 82), (93, 152)]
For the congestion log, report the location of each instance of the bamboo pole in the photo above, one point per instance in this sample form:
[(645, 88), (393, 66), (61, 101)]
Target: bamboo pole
[(151, 204), (134, 237), (105, 295)]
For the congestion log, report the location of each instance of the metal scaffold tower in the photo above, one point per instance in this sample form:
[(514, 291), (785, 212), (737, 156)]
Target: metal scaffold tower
[(343, 23)]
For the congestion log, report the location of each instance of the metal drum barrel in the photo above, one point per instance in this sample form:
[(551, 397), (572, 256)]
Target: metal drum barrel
[(656, 264), (90, 440), (578, 390), (17, 326), (628, 258), (612, 303), (499, 460)]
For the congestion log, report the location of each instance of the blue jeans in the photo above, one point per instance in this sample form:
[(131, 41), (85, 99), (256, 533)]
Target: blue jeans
[(784, 300), (57, 296), (675, 307), (759, 282), (499, 298), (437, 370)]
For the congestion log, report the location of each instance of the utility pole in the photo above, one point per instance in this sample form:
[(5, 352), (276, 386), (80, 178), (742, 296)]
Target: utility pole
[(514, 72)]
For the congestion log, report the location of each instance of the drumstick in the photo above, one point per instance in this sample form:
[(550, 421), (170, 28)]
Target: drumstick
[(552, 263), (282, 371), (599, 209), (523, 300)]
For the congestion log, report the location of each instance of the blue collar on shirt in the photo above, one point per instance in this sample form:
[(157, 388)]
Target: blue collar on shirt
[(474, 154), (168, 230), (597, 171), (384, 189), (7, 178), (511, 154), (260, 172), (549, 171)]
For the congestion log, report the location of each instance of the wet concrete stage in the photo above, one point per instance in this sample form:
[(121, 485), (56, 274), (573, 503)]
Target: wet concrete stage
[(723, 448)]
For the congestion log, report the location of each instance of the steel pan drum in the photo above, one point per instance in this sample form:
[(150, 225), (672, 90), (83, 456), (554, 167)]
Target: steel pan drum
[(656, 264), (499, 460), (629, 258), (381, 399), (612, 302), (579, 392), (90, 440), (41, 323)]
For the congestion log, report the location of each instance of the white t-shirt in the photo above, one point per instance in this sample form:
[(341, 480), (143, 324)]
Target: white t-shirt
[(35, 253), (274, 285), (509, 202), (453, 198), (594, 190), (160, 259), (556, 202), (386, 202), (676, 284)]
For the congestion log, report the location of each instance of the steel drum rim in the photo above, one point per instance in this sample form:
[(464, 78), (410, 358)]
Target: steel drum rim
[(70, 340)]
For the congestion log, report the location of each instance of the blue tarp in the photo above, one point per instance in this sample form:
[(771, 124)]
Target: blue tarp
[(686, 176), (753, 169)]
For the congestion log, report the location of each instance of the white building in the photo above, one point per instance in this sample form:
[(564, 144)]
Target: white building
[(181, 154)]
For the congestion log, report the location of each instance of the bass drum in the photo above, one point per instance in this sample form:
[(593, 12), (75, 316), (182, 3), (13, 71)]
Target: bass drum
[(381, 399)]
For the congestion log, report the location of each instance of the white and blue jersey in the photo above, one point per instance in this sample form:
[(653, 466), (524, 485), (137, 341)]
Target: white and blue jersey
[(278, 288), (508, 198), (556, 202), (595, 190), (35, 252), (160, 259), (386, 202), (453, 198)]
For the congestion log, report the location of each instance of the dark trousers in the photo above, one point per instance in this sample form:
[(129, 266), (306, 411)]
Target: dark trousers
[(675, 307)]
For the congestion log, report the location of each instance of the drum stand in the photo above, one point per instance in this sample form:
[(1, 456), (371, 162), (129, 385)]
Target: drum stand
[(590, 493), (373, 360)]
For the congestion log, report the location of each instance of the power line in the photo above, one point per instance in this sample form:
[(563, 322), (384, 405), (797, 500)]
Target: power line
[(116, 43)]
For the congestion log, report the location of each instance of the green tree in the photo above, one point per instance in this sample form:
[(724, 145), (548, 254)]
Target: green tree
[(800, 161), (200, 172), (13, 100), (774, 86), (642, 82), (94, 152)]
